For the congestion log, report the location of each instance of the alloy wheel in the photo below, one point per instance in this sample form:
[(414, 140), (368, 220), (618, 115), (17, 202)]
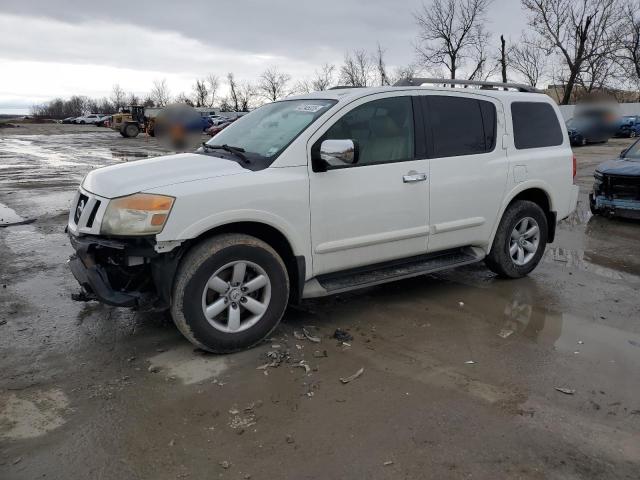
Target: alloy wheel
[(236, 296), (524, 241)]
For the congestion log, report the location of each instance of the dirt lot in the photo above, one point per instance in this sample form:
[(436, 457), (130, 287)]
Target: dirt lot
[(88, 391)]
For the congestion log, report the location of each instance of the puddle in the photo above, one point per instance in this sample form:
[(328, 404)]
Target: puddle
[(581, 260), (8, 215), (31, 415), (188, 366)]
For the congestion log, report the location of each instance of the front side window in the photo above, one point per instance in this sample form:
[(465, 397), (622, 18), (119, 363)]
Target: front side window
[(264, 133), (461, 125), (381, 129), (535, 125)]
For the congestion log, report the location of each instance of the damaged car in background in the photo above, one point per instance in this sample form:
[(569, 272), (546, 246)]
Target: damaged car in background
[(616, 190)]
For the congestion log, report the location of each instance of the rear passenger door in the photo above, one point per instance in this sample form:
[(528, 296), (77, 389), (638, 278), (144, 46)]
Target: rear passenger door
[(468, 167)]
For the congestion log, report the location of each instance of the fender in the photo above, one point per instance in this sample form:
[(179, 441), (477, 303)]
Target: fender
[(248, 215), (514, 192)]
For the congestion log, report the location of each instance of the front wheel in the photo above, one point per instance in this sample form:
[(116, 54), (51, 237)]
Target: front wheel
[(230, 292), (520, 240)]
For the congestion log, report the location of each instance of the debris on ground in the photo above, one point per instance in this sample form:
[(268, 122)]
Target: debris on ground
[(276, 358), (14, 224), (310, 337), (172, 442), (470, 362), (505, 333), (3, 322), (351, 378), (461, 304), (303, 364), (342, 335), (289, 439), (387, 463), (153, 369), (320, 354), (566, 391), (224, 464), (298, 335)]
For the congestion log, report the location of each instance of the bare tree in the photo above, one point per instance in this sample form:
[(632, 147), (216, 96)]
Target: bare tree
[(233, 92), (160, 93), (628, 54), (323, 77), (183, 98), (133, 99), (448, 29), (357, 69), (246, 93), (483, 65), (272, 84), (503, 58), (117, 96), (213, 82), (200, 93), (383, 78), (579, 30), (529, 59)]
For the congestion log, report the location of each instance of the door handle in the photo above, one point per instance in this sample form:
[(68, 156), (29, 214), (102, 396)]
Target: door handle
[(414, 177)]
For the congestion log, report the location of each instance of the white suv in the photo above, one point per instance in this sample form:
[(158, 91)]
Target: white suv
[(324, 193)]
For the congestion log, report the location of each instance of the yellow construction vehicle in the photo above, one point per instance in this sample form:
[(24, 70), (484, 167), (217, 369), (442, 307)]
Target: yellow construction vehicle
[(132, 120)]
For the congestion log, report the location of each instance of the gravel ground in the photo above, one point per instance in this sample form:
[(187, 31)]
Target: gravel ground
[(460, 378)]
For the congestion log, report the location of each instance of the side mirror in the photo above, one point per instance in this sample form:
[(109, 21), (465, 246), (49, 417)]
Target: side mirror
[(338, 153)]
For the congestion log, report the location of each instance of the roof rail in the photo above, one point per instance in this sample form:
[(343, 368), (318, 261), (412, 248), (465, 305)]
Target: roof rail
[(342, 87), (415, 82)]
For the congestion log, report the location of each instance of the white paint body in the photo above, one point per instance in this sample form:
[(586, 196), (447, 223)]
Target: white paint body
[(352, 217)]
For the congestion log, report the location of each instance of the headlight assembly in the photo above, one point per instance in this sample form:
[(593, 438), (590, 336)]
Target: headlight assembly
[(138, 214)]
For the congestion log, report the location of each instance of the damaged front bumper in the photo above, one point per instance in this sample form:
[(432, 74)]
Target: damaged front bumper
[(124, 272), (616, 195)]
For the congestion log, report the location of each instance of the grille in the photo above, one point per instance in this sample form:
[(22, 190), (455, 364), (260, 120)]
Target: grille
[(623, 187), (86, 213)]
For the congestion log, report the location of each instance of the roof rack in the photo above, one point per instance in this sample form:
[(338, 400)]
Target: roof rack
[(415, 82), (342, 87)]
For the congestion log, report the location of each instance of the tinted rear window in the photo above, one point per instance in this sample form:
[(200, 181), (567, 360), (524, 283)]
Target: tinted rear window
[(461, 126), (535, 125)]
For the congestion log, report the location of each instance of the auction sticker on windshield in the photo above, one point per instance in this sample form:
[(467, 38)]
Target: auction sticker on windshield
[(309, 108)]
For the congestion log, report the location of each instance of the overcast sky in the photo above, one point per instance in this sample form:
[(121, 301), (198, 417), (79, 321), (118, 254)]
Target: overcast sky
[(55, 48)]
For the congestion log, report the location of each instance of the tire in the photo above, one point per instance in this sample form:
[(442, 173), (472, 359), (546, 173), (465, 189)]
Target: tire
[(217, 258), (592, 205), (123, 134), (131, 130), (500, 259), (82, 122)]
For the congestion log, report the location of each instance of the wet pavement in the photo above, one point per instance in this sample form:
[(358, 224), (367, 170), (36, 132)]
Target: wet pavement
[(460, 368)]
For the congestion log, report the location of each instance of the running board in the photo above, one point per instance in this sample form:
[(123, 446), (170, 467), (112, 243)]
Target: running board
[(389, 271)]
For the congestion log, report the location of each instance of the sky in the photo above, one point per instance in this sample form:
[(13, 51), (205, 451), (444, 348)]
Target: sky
[(58, 48)]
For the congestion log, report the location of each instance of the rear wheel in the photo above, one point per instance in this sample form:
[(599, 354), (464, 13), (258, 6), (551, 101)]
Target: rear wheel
[(131, 130), (230, 292), (520, 240)]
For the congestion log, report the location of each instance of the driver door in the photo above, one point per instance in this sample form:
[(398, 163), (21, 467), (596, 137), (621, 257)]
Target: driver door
[(376, 209)]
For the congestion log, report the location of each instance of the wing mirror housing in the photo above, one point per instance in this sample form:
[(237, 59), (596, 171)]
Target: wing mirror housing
[(339, 153)]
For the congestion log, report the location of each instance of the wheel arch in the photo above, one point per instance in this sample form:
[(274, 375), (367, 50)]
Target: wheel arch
[(536, 193), (296, 264)]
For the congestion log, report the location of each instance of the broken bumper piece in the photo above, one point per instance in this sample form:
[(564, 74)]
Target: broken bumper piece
[(625, 208), (94, 281), (123, 272)]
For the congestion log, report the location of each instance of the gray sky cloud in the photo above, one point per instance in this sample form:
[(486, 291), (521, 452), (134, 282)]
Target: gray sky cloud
[(97, 44)]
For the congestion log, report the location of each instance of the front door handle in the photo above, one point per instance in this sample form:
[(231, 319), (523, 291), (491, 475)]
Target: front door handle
[(414, 177)]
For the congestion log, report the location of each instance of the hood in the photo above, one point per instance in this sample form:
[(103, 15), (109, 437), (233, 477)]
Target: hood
[(127, 178), (620, 166)]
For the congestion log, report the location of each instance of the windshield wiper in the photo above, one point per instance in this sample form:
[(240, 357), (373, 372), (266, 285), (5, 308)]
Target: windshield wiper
[(237, 151)]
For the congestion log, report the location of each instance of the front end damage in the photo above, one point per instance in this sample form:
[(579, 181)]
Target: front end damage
[(124, 272), (616, 195)]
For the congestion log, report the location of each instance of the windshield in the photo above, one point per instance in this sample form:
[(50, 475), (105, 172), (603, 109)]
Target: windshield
[(268, 130), (633, 152), (627, 120)]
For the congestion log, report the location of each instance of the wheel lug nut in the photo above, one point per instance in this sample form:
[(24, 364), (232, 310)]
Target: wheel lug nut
[(234, 305), (243, 299), (244, 289)]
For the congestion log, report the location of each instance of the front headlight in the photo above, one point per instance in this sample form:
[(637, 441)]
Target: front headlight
[(139, 214)]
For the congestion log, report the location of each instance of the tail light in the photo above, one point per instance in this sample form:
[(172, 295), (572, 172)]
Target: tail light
[(575, 167)]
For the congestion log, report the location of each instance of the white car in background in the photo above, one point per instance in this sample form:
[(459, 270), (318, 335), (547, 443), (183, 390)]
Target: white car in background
[(92, 118)]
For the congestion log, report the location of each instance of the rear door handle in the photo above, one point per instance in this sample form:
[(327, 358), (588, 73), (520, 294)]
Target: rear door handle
[(414, 177)]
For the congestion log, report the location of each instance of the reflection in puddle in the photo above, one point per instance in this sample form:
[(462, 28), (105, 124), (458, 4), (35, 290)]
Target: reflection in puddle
[(581, 260)]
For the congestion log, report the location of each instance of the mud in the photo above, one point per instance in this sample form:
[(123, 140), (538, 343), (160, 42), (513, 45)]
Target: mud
[(460, 368)]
